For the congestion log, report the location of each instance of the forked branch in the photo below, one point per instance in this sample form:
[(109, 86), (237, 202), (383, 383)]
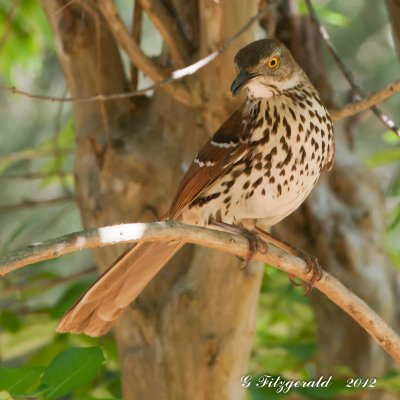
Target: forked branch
[(122, 35), (168, 28), (136, 55), (234, 244)]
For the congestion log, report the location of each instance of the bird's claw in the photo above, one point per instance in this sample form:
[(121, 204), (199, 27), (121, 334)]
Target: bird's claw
[(256, 245), (312, 267)]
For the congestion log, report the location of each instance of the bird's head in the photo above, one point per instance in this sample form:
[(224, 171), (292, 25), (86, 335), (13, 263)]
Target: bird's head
[(263, 65)]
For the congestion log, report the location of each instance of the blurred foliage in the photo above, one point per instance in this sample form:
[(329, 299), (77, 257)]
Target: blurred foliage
[(28, 39), (36, 162), (285, 348), (326, 14)]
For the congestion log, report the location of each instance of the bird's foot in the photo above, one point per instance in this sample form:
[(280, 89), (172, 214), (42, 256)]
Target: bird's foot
[(313, 267), (256, 244), (312, 263)]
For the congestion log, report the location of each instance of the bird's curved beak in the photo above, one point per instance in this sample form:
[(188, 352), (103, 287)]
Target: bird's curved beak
[(241, 78)]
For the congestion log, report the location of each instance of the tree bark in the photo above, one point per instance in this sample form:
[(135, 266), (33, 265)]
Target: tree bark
[(190, 333)]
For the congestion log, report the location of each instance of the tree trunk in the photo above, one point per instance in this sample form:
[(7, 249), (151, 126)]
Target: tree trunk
[(189, 335)]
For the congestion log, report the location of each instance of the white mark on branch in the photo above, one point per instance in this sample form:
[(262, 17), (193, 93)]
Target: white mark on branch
[(175, 76), (231, 243)]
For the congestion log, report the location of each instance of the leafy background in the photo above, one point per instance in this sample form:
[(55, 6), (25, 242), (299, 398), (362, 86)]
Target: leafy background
[(36, 163)]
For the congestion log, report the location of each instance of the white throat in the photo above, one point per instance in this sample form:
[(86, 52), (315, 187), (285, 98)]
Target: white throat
[(257, 89)]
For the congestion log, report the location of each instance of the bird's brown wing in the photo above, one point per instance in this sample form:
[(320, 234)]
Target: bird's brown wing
[(216, 158), (98, 309)]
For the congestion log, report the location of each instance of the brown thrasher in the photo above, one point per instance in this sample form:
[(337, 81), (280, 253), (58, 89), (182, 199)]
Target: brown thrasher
[(256, 169)]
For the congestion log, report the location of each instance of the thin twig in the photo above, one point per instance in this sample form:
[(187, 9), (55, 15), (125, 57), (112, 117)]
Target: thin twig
[(28, 203), (361, 105), (136, 35), (8, 24), (38, 175), (32, 154), (176, 75), (63, 7), (235, 244), (344, 112), (168, 29), (98, 81), (57, 161), (346, 72), (86, 99)]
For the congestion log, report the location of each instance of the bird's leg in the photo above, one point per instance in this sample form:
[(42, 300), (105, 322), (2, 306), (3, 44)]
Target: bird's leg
[(256, 244), (312, 262)]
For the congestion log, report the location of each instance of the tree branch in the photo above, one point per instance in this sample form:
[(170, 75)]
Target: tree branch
[(137, 57), (175, 76), (32, 154), (346, 111), (134, 52), (168, 29), (235, 244), (38, 175), (136, 36), (362, 105), (345, 71)]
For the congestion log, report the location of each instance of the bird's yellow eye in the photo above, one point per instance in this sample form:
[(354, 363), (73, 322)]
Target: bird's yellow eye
[(273, 62)]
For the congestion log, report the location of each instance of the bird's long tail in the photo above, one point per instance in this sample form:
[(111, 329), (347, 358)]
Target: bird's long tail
[(98, 309)]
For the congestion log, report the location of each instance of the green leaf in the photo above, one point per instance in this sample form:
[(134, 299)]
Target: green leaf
[(326, 14), (383, 157), (396, 220), (390, 382), (391, 138), (301, 351), (46, 354), (71, 369), (9, 321), (335, 389), (334, 18), (18, 381), (29, 39), (266, 393)]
